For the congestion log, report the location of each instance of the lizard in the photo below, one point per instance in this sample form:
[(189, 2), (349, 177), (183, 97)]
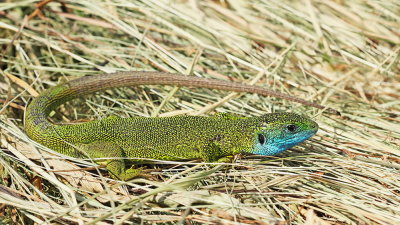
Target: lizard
[(116, 139)]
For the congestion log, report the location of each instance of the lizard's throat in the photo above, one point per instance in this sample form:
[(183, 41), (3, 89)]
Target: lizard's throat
[(274, 146)]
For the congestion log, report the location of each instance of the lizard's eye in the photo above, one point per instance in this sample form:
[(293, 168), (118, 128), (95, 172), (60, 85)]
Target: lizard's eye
[(291, 128), (261, 139)]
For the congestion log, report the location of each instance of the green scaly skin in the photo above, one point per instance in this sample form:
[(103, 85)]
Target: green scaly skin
[(169, 138)]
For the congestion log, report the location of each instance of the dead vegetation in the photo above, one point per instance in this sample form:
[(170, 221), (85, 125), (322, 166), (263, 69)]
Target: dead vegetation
[(343, 54)]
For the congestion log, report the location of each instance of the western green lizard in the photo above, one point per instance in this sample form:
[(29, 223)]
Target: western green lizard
[(169, 138)]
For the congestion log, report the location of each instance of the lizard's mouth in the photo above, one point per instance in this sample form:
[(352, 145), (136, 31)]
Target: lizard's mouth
[(297, 138)]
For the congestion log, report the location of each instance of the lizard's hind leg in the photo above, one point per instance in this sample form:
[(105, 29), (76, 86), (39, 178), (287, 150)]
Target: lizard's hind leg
[(111, 155)]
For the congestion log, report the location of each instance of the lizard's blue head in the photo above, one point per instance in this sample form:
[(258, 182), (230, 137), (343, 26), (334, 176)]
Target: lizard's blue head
[(277, 132)]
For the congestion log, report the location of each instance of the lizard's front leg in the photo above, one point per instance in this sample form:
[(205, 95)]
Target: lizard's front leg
[(212, 152)]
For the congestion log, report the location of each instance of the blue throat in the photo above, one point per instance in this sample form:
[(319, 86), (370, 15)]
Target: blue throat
[(276, 145)]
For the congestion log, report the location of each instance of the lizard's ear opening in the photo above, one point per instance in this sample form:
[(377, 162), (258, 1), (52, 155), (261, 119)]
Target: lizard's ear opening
[(261, 139)]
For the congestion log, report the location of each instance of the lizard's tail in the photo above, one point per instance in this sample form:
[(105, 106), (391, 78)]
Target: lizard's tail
[(36, 122)]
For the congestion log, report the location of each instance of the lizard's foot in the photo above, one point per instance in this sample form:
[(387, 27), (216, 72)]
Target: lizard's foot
[(132, 172), (226, 159), (128, 174)]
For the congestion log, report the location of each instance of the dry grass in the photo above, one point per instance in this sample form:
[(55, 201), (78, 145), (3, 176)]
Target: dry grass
[(343, 54)]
